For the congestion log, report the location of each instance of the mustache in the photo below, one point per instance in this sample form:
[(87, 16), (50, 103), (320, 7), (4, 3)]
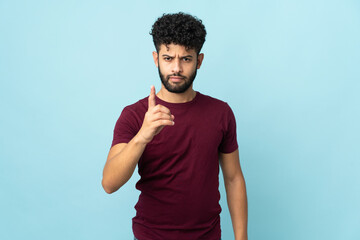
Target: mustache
[(175, 75)]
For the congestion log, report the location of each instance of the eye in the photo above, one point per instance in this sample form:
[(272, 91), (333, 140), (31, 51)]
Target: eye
[(167, 58), (186, 59)]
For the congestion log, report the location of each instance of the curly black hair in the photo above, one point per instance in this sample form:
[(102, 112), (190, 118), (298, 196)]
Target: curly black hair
[(179, 28)]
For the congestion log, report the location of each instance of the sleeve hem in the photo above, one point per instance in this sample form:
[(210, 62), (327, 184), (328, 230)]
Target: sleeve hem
[(229, 150)]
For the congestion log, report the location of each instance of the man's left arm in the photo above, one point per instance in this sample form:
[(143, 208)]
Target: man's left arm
[(235, 193)]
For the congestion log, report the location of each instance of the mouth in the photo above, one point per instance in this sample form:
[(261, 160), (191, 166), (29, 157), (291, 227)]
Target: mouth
[(176, 79)]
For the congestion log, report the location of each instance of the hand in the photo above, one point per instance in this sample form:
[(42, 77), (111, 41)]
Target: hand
[(156, 118)]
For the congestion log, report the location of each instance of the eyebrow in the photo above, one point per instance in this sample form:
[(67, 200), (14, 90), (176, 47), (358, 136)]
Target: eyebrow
[(187, 56)]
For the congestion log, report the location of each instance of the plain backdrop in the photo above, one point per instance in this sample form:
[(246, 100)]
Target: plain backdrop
[(289, 70)]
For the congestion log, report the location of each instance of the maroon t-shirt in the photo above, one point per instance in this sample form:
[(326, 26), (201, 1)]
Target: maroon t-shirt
[(179, 168)]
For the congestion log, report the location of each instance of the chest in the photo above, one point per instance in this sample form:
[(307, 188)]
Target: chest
[(194, 134)]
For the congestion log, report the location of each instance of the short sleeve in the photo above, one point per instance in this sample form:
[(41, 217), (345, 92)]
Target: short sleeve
[(229, 142), (126, 127)]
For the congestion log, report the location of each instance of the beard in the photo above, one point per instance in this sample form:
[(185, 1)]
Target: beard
[(179, 87)]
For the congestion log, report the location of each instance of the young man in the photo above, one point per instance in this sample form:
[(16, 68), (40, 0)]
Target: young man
[(177, 138)]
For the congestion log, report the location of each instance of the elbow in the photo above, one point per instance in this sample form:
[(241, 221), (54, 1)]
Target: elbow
[(111, 184), (236, 180), (107, 187)]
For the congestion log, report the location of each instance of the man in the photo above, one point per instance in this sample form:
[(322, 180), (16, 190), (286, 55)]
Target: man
[(177, 137)]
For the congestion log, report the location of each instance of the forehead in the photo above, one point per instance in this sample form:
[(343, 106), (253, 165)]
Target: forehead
[(175, 49)]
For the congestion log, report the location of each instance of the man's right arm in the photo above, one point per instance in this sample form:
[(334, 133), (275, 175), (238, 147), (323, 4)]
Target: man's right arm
[(123, 157)]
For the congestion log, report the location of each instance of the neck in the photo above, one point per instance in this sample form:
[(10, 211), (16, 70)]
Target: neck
[(170, 97)]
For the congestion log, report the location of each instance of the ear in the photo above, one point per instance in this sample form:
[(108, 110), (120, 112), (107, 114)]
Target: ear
[(156, 58), (200, 58)]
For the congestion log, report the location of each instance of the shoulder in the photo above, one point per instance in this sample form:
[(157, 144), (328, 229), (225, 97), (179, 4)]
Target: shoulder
[(134, 112), (213, 102), (137, 107), (217, 108)]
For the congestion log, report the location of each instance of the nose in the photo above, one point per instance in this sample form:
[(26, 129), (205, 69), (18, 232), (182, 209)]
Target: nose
[(177, 67)]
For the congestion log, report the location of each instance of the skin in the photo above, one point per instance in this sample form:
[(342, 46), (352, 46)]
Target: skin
[(123, 158)]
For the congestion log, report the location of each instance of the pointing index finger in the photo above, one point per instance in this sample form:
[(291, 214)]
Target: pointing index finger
[(151, 99)]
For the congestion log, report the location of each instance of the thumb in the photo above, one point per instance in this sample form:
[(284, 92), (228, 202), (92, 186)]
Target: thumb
[(151, 99)]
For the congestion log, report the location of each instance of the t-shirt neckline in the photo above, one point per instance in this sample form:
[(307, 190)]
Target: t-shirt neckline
[(178, 105)]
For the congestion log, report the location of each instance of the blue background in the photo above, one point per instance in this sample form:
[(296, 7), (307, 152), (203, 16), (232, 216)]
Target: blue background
[(289, 69)]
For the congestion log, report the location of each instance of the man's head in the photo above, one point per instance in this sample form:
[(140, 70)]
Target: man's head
[(178, 39)]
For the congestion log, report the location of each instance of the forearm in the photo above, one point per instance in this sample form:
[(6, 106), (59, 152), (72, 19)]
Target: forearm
[(237, 202), (120, 167)]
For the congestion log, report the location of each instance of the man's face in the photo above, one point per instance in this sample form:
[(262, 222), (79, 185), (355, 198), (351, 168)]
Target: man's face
[(177, 67)]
